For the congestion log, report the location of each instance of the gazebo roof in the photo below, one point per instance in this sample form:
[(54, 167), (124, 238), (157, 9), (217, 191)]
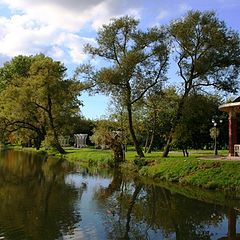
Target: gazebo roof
[(235, 105)]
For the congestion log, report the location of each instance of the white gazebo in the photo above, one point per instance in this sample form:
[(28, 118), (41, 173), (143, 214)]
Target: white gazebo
[(80, 140)]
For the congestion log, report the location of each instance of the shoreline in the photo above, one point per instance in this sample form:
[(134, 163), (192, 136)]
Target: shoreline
[(200, 170)]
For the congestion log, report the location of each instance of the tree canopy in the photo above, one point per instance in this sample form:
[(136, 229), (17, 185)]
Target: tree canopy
[(38, 102), (207, 54), (36, 97), (137, 61)]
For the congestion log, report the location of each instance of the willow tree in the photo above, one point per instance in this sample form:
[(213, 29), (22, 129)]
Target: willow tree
[(40, 99), (136, 62), (207, 54)]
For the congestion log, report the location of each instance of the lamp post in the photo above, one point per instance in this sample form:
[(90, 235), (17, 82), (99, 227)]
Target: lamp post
[(215, 134)]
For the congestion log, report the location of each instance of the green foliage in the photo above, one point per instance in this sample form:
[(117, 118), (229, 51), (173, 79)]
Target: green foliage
[(208, 52), (18, 67), (192, 130), (106, 136), (37, 98), (102, 133), (214, 132), (137, 62), (138, 59)]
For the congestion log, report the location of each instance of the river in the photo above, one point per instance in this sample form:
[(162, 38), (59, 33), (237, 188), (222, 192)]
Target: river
[(44, 198)]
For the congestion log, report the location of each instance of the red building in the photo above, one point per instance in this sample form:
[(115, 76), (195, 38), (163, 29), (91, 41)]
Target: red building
[(233, 109)]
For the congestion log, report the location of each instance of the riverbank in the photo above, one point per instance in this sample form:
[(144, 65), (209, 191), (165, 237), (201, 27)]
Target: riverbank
[(193, 170), (201, 169), (214, 174)]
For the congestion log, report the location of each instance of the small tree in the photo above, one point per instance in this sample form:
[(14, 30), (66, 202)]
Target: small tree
[(105, 135)]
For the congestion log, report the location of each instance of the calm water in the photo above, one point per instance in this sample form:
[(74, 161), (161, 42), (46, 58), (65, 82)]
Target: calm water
[(44, 198)]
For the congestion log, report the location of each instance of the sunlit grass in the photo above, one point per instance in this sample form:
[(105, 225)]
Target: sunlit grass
[(193, 170)]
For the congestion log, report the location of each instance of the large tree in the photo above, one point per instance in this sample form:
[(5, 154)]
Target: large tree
[(14, 98), (39, 100), (136, 62), (207, 55)]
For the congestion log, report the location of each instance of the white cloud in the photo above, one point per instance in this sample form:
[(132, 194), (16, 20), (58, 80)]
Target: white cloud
[(163, 14), (167, 12), (23, 36), (73, 45), (183, 7), (72, 14), (55, 27)]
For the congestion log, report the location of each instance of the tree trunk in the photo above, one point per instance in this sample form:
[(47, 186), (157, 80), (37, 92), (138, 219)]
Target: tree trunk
[(153, 131), (55, 134), (41, 134), (132, 132), (151, 142), (118, 154), (175, 122), (146, 143), (167, 146)]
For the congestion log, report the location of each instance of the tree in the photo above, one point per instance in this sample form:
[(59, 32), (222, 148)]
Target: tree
[(106, 134), (193, 127), (157, 114), (207, 55), (16, 113), (137, 62), (40, 100), (158, 109), (17, 67)]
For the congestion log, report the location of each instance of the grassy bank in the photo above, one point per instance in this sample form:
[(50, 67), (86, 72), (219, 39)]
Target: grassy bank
[(208, 174)]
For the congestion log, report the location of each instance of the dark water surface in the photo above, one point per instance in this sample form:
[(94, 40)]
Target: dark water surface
[(45, 198)]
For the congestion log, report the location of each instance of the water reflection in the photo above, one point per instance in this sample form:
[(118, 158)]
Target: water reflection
[(35, 201), (137, 211), (45, 198)]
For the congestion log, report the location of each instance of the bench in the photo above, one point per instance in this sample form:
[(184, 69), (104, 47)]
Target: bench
[(236, 149)]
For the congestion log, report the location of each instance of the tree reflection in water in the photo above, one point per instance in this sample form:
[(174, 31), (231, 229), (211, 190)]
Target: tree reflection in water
[(35, 201), (137, 211), (42, 198)]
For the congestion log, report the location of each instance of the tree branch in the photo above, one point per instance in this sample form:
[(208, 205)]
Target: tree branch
[(151, 85)]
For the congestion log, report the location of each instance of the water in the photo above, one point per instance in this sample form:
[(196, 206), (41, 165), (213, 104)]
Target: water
[(45, 198)]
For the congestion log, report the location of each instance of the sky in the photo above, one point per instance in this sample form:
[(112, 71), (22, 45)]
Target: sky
[(60, 28)]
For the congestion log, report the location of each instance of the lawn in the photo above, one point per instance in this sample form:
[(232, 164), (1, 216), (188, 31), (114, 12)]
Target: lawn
[(193, 170)]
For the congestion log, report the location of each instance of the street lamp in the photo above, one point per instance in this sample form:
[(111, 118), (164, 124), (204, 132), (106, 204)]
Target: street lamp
[(215, 134)]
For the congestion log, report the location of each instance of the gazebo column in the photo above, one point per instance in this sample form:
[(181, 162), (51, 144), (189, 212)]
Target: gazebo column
[(232, 131)]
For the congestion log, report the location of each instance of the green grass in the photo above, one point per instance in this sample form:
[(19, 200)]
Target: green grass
[(192, 170), (209, 174), (90, 156)]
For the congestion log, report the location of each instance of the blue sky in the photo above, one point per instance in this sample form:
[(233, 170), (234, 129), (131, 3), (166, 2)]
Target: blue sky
[(60, 28)]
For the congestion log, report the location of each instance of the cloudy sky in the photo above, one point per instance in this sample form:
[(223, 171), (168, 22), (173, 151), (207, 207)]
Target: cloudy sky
[(60, 28)]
